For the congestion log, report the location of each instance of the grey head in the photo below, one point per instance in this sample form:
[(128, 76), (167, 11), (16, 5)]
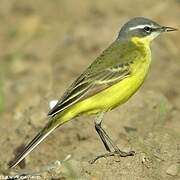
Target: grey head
[(142, 27)]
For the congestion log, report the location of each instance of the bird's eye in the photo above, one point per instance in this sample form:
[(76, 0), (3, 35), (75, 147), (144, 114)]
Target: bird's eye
[(147, 29)]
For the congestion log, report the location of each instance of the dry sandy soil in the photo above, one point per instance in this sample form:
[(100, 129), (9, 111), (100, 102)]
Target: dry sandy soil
[(44, 45)]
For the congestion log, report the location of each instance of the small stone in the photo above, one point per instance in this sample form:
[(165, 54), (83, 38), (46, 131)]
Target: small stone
[(172, 170)]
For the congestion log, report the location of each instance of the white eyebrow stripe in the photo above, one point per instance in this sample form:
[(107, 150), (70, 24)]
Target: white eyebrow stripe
[(139, 27)]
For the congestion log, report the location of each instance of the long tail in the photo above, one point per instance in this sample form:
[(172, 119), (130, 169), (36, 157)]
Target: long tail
[(53, 124)]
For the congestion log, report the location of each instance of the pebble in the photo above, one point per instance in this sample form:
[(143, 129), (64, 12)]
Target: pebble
[(172, 170)]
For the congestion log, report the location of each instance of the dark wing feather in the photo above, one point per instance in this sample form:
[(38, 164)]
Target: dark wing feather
[(86, 86), (110, 67)]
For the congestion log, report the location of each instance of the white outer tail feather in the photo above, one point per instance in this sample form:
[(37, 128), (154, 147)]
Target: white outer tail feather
[(37, 140)]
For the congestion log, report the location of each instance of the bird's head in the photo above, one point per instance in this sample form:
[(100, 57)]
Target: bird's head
[(142, 29)]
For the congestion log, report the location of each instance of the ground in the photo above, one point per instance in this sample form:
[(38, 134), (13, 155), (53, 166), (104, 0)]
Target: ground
[(44, 46)]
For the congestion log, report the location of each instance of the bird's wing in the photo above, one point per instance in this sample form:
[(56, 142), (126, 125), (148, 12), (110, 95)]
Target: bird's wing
[(87, 87), (103, 73)]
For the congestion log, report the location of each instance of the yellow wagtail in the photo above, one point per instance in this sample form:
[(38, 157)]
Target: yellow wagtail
[(109, 81)]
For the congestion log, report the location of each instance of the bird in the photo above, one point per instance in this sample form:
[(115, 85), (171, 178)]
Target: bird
[(112, 78)]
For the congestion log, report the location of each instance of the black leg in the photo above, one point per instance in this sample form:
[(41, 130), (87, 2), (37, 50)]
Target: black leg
[(99, 131), (108, 139), (108, 143)]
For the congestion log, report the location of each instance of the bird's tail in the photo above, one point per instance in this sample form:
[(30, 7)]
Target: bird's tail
[(52, 124)]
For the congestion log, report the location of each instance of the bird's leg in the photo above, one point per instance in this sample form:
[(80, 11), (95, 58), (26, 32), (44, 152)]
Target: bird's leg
[(107, 141), (98, 128)]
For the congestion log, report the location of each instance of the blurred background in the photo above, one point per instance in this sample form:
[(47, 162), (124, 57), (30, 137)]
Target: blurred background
[(45, 45)]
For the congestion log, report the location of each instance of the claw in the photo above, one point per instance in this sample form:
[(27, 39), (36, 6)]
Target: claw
[(116, 152)]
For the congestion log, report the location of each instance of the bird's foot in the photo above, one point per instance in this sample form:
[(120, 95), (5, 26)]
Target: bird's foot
[(117, 152)]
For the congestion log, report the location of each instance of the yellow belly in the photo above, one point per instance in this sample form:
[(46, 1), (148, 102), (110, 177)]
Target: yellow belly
[(112, 96)]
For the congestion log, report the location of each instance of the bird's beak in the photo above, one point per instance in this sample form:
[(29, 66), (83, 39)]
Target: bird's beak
[(167, 29)]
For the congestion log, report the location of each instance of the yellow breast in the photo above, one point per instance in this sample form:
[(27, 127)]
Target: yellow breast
[(117, 94)]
